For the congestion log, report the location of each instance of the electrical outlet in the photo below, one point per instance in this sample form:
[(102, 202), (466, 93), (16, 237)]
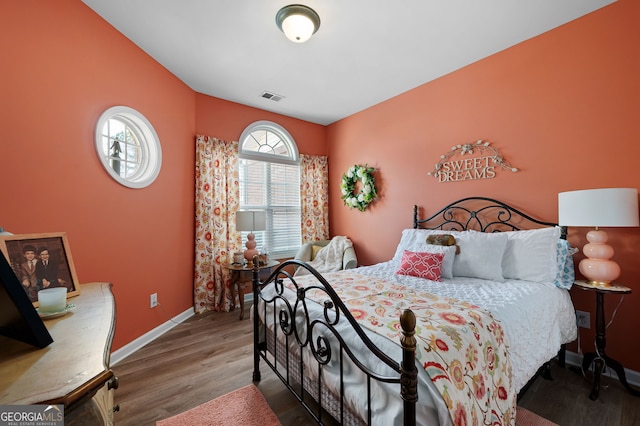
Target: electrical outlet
[(153, 300), (583, 319)]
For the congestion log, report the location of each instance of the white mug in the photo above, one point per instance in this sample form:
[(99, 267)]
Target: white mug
[(51, 300)]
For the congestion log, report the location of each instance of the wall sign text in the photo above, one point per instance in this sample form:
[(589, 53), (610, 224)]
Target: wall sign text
[(477, 161)]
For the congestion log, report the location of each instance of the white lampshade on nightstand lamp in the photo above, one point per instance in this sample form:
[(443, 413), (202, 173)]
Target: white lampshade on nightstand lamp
[(606, 207), (251, 221)]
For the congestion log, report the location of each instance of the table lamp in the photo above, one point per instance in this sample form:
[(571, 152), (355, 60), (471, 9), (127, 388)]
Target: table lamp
[(607, 207), (251, 221)]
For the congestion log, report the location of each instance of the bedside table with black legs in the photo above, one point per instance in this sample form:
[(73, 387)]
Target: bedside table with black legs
[(241, 278), (599, 358)]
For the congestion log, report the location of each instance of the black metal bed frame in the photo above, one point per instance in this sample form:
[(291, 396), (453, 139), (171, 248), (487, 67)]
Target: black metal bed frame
[(314, 337), (490, 216)]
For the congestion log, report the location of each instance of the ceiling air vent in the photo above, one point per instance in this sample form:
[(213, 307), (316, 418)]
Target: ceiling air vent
[(272, 96)]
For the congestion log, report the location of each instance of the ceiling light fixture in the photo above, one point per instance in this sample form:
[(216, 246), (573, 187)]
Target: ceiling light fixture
[(297, 22)]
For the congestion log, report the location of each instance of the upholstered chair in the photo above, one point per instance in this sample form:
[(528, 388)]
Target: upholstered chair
[(308, 251)]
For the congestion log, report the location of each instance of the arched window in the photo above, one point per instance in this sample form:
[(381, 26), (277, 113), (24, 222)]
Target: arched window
[(269, 178)]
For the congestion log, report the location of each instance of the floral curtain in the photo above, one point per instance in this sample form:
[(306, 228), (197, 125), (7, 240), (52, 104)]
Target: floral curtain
[(314, 197), (217, 198)]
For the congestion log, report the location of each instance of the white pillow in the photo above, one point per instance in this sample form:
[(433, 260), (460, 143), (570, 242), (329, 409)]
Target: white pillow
[(480, 255), (532, 255), (446, 270), (415, 240)]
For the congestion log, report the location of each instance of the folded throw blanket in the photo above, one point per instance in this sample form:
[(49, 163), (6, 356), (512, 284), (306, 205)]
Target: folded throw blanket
[(329, 258)]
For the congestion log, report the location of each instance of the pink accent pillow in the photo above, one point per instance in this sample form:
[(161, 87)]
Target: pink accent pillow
[(422, 265)]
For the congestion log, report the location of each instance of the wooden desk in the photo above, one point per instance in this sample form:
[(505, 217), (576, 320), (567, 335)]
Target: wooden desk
[(599, 358), (241, 276), (72, 370)]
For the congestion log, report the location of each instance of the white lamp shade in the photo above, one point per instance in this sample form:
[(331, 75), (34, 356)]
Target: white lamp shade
[(607, 207), (251, 221), (298, 28)]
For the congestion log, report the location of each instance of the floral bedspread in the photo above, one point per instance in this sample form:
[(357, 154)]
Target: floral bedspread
[(461, 347)]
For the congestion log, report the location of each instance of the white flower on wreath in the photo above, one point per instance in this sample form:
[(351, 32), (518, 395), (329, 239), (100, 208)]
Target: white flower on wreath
[(367, 192)]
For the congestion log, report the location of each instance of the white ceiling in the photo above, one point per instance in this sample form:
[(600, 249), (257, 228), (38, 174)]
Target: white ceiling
[(366, 51)]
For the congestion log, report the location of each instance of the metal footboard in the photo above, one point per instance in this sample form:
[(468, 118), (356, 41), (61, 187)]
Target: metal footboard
[(307, 352)]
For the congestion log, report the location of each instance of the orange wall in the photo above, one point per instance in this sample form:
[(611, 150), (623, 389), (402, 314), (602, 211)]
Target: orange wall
[(562, 107), (62, 67), (226, 120)]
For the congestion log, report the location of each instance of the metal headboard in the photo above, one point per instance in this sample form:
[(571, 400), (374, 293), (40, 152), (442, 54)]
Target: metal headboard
[(482, 214)]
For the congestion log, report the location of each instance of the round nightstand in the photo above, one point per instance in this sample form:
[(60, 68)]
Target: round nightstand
[(600, 358), (241, 277)]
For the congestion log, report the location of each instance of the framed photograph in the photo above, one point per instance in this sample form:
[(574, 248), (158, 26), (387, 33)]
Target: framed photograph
[(41, 261)]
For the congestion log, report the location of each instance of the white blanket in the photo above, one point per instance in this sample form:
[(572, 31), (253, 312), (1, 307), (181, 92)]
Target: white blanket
[(329, 258)]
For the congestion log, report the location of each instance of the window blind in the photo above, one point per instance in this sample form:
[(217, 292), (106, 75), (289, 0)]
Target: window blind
[(274, 188)]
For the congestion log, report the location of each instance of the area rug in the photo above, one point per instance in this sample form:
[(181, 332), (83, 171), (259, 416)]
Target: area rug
[(245, 406), (525, 417)]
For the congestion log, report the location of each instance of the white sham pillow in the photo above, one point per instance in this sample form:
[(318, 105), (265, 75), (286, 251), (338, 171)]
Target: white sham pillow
[(415, 240), (480, 255), (446, 270), (531, 255)]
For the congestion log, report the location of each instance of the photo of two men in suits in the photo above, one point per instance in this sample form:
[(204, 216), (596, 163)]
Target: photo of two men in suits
[(39, 271), (39, 264)]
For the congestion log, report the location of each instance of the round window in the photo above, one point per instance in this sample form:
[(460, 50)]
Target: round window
[(128, 147)]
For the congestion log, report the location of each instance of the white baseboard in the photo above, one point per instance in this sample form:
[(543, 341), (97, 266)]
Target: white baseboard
[(129, 348), (633, 377)]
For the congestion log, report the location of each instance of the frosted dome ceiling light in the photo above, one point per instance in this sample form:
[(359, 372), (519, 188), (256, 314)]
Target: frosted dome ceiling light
[(298, 22)]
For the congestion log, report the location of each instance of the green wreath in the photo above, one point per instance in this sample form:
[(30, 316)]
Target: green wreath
[(367, 192)]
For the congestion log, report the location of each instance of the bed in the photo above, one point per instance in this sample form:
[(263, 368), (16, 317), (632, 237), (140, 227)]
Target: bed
[(472, 306)]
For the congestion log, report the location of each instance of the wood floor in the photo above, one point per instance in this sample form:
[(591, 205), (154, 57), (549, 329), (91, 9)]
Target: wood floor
[(210, 355)]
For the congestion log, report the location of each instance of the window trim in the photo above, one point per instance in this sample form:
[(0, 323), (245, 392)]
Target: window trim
[(282, 133), (150, 149)]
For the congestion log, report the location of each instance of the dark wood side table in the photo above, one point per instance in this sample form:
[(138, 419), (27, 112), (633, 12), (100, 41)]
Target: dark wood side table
[(599, 358), (241, 277)]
